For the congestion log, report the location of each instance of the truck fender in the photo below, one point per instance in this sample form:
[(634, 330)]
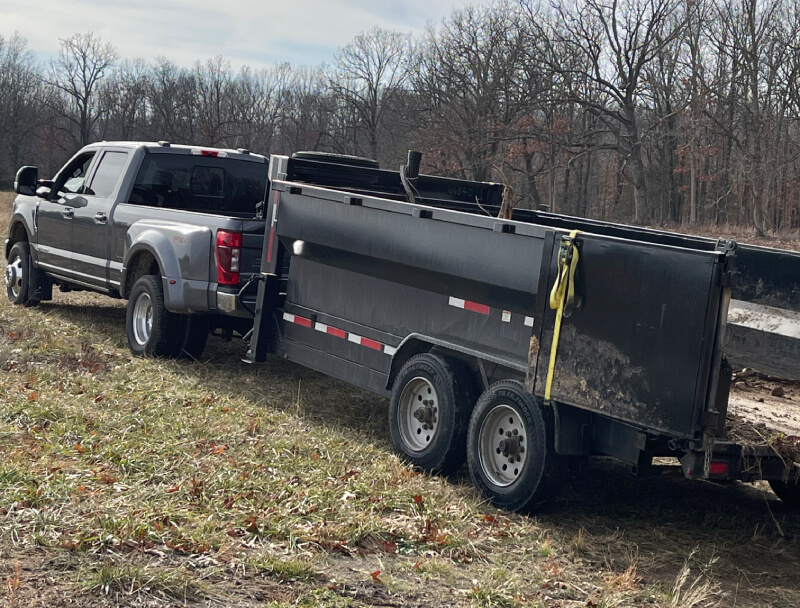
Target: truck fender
[(182, 253), (21, 228), (414, 344)]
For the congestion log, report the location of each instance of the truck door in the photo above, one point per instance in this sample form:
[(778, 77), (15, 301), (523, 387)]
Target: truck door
[(55, 216), (91, 223)]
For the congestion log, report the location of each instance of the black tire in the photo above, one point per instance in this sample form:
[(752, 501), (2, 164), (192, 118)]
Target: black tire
[(195, 335), (337, 159), (510, 449), (20, 274), (442, 389), (152, 330), (787, 491)]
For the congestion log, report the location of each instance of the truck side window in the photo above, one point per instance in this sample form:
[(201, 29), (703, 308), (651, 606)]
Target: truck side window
[(71, 179), (107, 174)]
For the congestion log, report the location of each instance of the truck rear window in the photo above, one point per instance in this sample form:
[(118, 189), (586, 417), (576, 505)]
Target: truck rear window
[(199, 183)]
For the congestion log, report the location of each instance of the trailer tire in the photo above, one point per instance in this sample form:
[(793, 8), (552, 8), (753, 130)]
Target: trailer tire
[(20, 275), (152, 330), (787, 491), (429, 412), (510, 449)]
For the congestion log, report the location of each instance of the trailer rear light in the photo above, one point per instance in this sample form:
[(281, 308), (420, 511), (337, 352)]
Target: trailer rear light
[(229, 253), (718, 468)]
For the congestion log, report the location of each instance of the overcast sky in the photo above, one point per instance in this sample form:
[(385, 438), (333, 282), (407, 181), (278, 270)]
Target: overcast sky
[(246, 32)]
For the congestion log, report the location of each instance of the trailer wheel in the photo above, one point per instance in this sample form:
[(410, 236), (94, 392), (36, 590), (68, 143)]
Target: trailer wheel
[(152, 330), (429, 412), (788, 492), (19, 275), (510, 451)]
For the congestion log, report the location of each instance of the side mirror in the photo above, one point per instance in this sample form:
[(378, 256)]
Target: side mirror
[(45, 188), (26, 181)]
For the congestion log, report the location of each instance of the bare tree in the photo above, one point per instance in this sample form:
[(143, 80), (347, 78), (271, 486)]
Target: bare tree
[(617, 40), (83, 62), (369, 73), (22, 97), (470, 74)]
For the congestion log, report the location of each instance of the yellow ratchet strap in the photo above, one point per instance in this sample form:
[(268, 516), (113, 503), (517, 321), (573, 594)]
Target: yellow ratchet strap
[(561, 297)]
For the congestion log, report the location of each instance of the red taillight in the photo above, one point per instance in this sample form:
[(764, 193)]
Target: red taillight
[(229, 252), (718, 468)]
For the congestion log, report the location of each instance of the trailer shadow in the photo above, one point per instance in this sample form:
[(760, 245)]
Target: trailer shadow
[(740, 535), (736, 534)]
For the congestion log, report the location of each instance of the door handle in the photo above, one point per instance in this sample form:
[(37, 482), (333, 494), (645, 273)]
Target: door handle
[(100, 218), (68, 213)]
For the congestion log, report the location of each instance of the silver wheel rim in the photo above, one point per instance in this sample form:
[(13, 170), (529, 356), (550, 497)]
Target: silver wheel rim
[(502, 445), (418, 414), (14, 276), (142, 319)]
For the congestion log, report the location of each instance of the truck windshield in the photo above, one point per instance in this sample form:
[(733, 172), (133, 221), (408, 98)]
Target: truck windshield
[(198, 183)]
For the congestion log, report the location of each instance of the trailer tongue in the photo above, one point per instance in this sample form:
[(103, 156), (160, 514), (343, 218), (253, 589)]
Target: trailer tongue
[(411, 287)]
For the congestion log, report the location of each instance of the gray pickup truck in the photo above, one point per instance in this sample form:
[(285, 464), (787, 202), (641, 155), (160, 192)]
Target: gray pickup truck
[(176, 230)]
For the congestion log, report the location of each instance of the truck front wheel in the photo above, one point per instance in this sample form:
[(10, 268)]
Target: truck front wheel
[(429, 412), (19, 275), (510, 451), (152, 330)]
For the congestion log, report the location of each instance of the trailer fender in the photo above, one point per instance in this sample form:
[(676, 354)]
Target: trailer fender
[(414, 344)]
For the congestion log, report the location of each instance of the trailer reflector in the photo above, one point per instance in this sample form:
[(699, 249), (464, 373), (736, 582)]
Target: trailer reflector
[(340, 333), (718, 468), (528, 321), (332, 331), (297, 320), (471, 306), (371, 344)]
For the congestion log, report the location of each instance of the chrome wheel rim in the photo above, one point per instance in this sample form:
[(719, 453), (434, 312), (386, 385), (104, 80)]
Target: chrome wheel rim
[(14, 276), (502, 444), (142, 319), (418, 414)]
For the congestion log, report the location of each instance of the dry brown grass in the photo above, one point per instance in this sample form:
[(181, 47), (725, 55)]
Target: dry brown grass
[(130, 481)]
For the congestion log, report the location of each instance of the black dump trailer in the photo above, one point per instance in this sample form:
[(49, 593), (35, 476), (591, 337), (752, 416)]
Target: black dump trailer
[(514, 344)]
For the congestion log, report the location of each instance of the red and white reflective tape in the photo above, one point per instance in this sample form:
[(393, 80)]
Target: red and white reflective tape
[(332, 331), (340, 333), (471, 306), (484, 310), (297, 320)]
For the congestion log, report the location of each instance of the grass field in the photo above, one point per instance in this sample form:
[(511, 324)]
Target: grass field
[(135, 482)]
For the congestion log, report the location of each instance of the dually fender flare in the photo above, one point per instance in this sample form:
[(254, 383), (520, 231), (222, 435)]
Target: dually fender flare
[(155, 243)]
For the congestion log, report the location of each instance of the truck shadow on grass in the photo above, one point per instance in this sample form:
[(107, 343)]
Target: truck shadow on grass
[(739, 535)]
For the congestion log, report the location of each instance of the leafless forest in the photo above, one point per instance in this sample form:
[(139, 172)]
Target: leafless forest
[(645, 111)]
